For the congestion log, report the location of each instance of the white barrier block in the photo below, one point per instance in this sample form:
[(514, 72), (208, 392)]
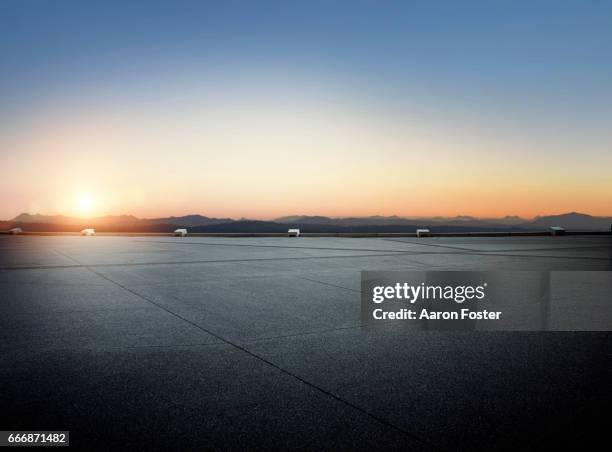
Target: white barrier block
[(557, 230), (422, 232)]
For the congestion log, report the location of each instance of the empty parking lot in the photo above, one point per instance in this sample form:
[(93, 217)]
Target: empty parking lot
[(212, 342)]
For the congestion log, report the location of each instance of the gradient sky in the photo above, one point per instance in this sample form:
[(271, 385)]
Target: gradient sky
[(259, 109)]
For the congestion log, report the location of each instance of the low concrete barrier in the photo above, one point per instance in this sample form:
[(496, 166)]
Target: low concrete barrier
[(318, 234)]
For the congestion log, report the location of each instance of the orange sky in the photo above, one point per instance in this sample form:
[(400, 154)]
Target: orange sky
[(277, 156), (305, 108)]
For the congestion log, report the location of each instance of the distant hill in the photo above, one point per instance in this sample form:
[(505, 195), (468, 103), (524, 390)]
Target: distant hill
[(348, 221), (57, 227), (460, 221), (271, 226), (187, 220), (119, 220), (572, 220), (200, 223), (60, 219)]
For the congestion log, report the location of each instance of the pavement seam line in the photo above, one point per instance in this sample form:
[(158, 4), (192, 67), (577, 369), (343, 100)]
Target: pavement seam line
[(411, 242), (414, 253), (270, 363), (218, 261), (329, 284), (271, 246), (306, 333)]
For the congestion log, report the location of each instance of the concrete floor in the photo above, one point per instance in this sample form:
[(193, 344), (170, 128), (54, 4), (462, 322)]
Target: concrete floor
[(227, 343)]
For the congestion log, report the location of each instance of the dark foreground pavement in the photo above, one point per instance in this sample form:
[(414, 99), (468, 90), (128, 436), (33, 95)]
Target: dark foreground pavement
[(221, 343)]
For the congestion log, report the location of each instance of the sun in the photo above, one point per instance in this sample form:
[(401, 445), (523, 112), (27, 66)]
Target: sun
[(84, 203)]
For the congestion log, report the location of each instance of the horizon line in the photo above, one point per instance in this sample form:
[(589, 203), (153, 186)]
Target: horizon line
[(406, 217)]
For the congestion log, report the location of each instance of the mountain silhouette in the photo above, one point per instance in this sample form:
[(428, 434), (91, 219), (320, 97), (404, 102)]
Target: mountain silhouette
[(200, 223)]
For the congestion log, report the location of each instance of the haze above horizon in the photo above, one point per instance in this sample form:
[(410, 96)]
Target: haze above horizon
[(30, 217), (256, 109)]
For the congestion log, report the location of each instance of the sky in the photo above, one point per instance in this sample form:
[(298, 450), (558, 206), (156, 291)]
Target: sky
[(260, 109)]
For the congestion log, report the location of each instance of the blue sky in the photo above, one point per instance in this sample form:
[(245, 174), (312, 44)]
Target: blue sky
[(553, 49)]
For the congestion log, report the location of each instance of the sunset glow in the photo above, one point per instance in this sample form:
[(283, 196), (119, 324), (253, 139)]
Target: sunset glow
[(84, 204), (257, 122)]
